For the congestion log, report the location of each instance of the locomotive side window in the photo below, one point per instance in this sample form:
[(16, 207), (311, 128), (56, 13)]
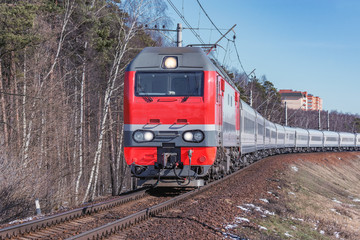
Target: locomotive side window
[(169, 84)]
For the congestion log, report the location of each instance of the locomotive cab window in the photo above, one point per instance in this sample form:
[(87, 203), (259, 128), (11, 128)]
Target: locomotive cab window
[(169, 84)]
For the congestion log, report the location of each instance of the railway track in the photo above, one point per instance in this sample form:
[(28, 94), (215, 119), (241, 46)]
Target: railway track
[(116, 227), (38, 228), (97, 221)]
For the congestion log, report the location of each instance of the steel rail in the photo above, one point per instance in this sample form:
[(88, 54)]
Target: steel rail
[(32, 226)]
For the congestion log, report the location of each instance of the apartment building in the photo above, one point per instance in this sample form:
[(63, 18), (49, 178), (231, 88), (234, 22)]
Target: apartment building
[(300, 100)]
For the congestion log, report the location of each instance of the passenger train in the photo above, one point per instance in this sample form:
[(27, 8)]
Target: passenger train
[(185, 124)]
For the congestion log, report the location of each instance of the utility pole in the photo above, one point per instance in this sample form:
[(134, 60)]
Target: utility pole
[(179, 35), (328, 120), (286, 115), (319, 119), (252, 79), (251, 99)]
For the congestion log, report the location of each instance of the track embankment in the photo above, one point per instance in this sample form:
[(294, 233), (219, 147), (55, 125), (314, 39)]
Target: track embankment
[(294, 196)]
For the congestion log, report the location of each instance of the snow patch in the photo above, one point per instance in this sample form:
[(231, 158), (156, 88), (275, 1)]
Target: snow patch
[(336, 201), (288, 234), (232, 236), (241, 219), (244, 209), (294, 168), (250, 205), (297, 219), (322, 232), (22, 220), (263, 228), (337, 234), (356, 200), (264, 200), (291, 193), (257, 209), (269, 213), (230, 226)]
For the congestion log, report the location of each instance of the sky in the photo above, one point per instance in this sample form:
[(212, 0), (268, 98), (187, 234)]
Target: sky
[(304, 45)]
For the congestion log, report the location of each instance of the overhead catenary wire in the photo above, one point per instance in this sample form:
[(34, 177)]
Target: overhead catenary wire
[(198, 36), (238, 57), (186, 22), (211, 20)]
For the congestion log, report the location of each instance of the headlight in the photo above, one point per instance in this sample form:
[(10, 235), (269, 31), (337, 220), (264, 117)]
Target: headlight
[(188, 136), (170, 62), (193, 136), (148, 136), (198, 136), (143, 136)]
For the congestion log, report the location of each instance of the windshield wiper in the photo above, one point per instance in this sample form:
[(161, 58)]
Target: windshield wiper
[(185, 99), (147, 98)]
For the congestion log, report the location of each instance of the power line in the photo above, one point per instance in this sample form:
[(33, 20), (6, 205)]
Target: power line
[(198, 36), (210, 19), (238, 57), (185, 21)]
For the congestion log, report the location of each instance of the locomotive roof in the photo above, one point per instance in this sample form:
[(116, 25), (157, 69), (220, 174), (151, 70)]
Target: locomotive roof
[(189, 58)]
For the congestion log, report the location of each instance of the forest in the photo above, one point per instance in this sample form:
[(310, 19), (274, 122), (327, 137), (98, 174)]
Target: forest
[(61, 86)]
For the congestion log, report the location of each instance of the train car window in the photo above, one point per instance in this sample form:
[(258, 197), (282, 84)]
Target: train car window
[(169, 84), (273, 134), (267, 132), (302, 137), (281, 135), (249, 125), (315, 138), (331, 139), (291, 136)]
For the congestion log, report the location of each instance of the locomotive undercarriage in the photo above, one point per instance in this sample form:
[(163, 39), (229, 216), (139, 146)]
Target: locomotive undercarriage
[(169, 170)]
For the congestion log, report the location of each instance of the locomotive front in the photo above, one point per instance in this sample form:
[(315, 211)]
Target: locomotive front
[(170, 135)]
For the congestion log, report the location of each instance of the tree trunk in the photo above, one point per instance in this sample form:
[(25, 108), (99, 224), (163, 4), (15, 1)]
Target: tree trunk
[(82, 107), (3, 108)]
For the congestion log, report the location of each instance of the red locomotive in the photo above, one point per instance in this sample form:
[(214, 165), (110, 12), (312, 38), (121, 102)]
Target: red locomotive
[(175, 117)]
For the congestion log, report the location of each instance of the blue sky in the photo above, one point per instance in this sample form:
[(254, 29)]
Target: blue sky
[(305, 45)]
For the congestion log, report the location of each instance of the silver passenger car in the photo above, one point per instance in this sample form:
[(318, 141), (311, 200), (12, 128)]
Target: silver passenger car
[(357, 141), (247, 126), (331, 140), (289, 138), (260, 132), (270, 135), (301, 139), (347, 141), (316, 139), (280, 143)]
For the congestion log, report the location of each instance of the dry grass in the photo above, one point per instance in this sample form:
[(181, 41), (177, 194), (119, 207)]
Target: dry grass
[(323, 195), (316, 197)]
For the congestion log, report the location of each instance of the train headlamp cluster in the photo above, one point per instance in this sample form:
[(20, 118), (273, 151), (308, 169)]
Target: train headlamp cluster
[(143, 136), (170, 62), (193, 136)]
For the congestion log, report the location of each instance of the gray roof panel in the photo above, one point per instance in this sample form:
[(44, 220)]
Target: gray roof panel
[(189, 58)]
